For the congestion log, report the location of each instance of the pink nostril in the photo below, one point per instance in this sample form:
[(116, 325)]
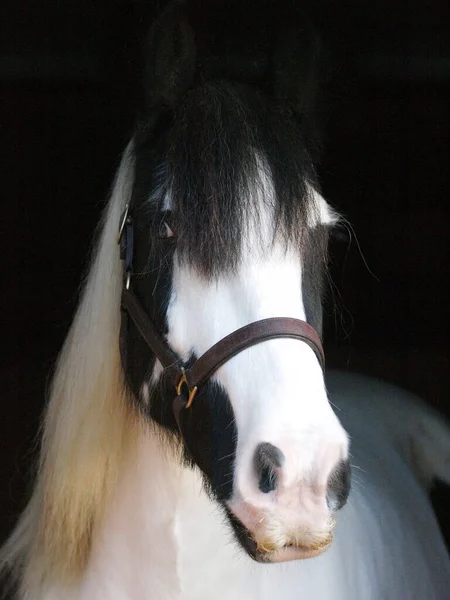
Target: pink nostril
[(267, 459)]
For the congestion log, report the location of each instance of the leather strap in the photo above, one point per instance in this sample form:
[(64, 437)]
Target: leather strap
[(222, 351), (247, 336), (150, 335)]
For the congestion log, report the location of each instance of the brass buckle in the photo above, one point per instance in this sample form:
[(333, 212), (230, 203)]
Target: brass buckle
[(192, 392)]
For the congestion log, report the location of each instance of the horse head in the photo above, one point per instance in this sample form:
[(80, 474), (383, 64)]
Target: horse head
[(230, 228)]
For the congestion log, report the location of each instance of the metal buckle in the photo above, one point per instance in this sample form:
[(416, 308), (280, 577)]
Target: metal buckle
[(123, 221), (192, 392)]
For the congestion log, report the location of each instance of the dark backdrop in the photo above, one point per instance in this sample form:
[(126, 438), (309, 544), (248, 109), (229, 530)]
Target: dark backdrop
[(69, 74)]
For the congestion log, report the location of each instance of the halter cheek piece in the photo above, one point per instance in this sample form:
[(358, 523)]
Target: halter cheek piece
[(191, 379)]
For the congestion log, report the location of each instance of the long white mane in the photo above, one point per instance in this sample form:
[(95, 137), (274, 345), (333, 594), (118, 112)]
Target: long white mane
[(87, 426)]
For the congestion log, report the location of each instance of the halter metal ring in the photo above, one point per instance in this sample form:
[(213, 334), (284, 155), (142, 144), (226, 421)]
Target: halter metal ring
[(192, 392)]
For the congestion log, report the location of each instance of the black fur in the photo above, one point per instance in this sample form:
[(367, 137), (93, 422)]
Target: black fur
[(210, 434), (220, 131), (315, 259)]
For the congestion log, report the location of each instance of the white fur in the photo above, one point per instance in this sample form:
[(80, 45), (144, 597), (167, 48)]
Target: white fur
[(164, 540)]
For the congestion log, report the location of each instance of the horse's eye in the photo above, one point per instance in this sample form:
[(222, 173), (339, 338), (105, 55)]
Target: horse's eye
[(340, 234), (165, 230)]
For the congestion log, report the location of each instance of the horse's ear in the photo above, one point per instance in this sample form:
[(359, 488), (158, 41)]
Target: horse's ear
[(296, 66), (170, 58)]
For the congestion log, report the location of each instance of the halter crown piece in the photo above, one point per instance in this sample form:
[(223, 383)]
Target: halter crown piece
[(190, 379)]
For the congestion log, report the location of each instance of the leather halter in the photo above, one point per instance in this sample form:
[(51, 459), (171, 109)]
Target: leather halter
[(208, 363)]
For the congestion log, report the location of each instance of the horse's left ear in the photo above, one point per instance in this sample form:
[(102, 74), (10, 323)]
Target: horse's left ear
[(296, 65), (170, 60)]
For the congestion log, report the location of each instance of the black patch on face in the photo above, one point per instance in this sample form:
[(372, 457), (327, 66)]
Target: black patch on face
[(339, 485), (242, 535), (315, 257), (210, 436), (209, 432), (245, 538)]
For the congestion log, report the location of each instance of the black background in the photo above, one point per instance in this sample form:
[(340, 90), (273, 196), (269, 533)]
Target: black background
[(69, 76)]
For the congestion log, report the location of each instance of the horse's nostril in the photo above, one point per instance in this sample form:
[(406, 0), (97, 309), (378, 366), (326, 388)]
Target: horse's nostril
[(339, 485), (266, 461)]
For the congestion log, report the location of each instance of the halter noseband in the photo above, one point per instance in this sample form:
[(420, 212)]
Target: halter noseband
[(209, 362)]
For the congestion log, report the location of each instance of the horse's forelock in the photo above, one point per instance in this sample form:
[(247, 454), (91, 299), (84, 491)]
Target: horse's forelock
[(226, 143)]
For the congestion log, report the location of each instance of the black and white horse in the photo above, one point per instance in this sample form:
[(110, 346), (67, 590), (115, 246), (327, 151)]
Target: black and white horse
[(229, 228)]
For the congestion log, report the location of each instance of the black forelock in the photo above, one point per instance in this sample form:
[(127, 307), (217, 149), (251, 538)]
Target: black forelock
[(221, 136)]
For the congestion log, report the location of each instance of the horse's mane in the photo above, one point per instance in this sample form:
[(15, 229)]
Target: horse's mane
[(87, 427)]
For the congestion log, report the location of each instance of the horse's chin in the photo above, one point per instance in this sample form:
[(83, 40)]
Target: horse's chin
[(290, 552), (286, 553)]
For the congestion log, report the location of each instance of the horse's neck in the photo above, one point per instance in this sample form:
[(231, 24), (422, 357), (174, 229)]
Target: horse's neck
[(163, 539), (151, 545)]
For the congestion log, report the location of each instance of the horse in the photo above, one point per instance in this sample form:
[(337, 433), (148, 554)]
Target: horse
[(192, 447)]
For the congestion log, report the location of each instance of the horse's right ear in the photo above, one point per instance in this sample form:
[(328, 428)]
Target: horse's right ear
[(170, 58)]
